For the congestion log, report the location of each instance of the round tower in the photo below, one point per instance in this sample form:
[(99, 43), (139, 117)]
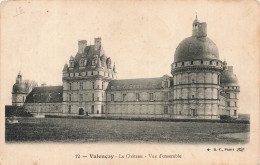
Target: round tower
[(19, 91), (196, 72), (229, 85)]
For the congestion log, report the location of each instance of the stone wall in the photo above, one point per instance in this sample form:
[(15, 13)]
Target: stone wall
[(46, 108)]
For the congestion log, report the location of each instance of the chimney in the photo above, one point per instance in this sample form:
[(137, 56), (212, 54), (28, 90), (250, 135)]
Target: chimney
[(43, 84), (81, 46), (97, 43)]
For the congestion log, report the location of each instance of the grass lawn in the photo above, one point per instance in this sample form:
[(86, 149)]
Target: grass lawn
[(94, 130)]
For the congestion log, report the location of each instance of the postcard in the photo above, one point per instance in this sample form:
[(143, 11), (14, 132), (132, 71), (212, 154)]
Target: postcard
[(129, 82)]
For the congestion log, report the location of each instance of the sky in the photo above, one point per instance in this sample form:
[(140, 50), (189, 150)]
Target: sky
[(37, 38)]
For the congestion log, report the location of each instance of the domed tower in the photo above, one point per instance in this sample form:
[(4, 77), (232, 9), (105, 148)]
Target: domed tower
[(19, 91), (196, 72), (85, 80), (231, 89)]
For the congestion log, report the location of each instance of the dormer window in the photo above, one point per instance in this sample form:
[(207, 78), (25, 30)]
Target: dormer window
[(82, 62), (201, 62), (210, 62), (93, 62), (182, 64), (72, 64), (191, 62)]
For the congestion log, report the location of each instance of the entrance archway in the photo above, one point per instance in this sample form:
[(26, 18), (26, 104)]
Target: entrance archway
[(81, 111)]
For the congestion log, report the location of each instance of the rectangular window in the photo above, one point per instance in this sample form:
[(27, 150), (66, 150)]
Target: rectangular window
[(192, 96), (201, 62), (228, 112), (81, 97), (235, 96), (93, 85), (235, 104), (70, 97), (70, 86), (235, 112), (81, 85), (151, 96), (69, 109), (165, 109), (228, 95), (92, 109), (137, 96), (124, 95), (228, 103), (193, 112), (112, 97), (97, 98), (102, 85), (191, 62), (102, 95), (166, 84), (93, 97)]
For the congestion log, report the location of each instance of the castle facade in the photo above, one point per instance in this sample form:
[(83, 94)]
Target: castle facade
[(201, 85)]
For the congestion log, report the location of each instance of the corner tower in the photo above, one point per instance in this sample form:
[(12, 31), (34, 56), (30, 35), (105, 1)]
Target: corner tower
[(19, 92), (196, 72), (230, 90)]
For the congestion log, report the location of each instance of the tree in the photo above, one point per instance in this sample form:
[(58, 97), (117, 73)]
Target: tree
[(30, 85)]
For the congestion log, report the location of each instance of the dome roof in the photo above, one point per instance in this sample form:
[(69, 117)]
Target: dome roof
[(196, 48), (228, 78), (20, 88)]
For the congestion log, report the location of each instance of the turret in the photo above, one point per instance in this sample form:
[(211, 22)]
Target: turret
[(19, 92), (19, 78), (199, 29), (114, 68)]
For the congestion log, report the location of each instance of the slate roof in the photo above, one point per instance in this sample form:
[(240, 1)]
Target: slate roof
[(133, 84), (89, 54), (46, 94), (194, 48), (20, 88), (228, 78)]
